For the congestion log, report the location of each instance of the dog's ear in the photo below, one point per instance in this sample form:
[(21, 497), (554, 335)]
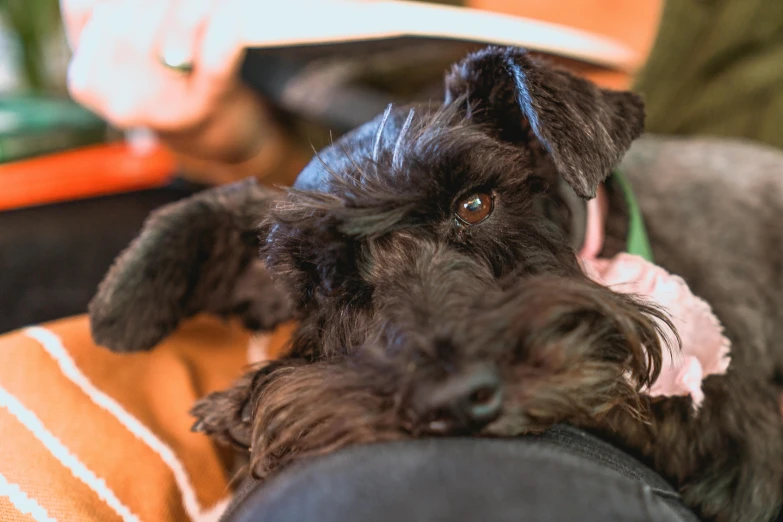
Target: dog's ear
[(584, 129), (196, 255), (306, 249)]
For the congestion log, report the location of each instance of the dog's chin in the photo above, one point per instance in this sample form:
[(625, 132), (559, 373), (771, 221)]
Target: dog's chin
[(515, 420)]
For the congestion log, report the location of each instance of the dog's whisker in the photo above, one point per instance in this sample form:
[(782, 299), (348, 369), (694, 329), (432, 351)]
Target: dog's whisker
[(325, 165), (397, 146), (359, 173), (376, 146)]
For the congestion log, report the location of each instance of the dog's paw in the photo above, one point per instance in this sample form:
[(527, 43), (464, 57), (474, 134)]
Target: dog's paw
[(227, 416)]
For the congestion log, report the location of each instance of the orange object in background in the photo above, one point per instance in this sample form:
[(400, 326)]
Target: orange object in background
[(83, 173), (633, 23)]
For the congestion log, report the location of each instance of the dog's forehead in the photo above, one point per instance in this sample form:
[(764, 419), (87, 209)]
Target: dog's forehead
[(356, 146)]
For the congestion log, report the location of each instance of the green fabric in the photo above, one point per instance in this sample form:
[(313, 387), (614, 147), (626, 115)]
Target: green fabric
[(638, 243), (717, 69), (36, 125), (28, 113)]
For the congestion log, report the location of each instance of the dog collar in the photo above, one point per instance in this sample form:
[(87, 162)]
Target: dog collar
[(638, 243)]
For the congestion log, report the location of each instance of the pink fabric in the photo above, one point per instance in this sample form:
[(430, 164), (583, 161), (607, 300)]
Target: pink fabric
[(705, 350)]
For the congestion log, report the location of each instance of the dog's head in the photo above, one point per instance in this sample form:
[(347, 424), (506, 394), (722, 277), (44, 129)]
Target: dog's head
[(433, 251), (439, 243)]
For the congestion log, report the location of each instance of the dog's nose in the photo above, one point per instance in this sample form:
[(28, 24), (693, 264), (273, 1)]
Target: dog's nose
[(468, 400)]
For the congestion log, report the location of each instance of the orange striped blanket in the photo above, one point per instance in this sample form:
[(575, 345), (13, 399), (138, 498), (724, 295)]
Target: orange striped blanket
[(88, 435)]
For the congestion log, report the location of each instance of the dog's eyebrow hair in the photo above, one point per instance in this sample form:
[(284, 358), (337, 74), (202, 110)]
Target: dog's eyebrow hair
[(403, 131), (379, 133)]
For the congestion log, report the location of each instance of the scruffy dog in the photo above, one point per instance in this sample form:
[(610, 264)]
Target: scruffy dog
[(430, 259)]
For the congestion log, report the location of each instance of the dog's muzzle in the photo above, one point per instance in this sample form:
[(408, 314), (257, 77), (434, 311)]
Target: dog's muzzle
[(465, 401)]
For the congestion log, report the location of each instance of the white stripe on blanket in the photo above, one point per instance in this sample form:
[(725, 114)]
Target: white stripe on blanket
[(54, 347), (22, 502), (60, 452)]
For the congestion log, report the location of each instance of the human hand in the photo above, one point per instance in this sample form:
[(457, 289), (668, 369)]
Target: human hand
[(120, 48)]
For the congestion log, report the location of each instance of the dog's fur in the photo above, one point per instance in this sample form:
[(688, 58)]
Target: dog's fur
[(412, 323)]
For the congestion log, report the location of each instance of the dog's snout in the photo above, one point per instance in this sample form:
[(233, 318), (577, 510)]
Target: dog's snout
[(468, 400)]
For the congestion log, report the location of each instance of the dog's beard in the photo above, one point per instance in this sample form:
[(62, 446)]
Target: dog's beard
[(564, 350), (572, 351)]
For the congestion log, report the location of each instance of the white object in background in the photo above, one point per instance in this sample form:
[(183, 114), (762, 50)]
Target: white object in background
[(281, 24), (141, 141)]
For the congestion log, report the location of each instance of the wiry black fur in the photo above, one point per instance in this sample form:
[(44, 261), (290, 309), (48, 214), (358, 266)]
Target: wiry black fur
[(197, 255), (412, 323)]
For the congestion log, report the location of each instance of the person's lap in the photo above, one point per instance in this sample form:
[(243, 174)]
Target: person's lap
[(563, 475)]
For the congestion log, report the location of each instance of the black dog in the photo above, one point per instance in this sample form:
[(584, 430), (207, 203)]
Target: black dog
[(430, 259)]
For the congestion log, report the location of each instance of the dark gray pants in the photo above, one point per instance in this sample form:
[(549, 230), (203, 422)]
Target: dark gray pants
[(565, 475)]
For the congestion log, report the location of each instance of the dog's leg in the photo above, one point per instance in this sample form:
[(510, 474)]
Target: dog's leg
[(227, 416), (196, 255), (726, 457), (289, 410)]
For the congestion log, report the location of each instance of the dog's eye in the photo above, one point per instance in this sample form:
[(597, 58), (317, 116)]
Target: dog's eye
[(474, 209)]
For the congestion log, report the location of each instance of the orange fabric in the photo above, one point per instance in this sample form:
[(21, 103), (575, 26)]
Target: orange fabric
[(632, 23), (27, 463), (13, 514), (85, 408)]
